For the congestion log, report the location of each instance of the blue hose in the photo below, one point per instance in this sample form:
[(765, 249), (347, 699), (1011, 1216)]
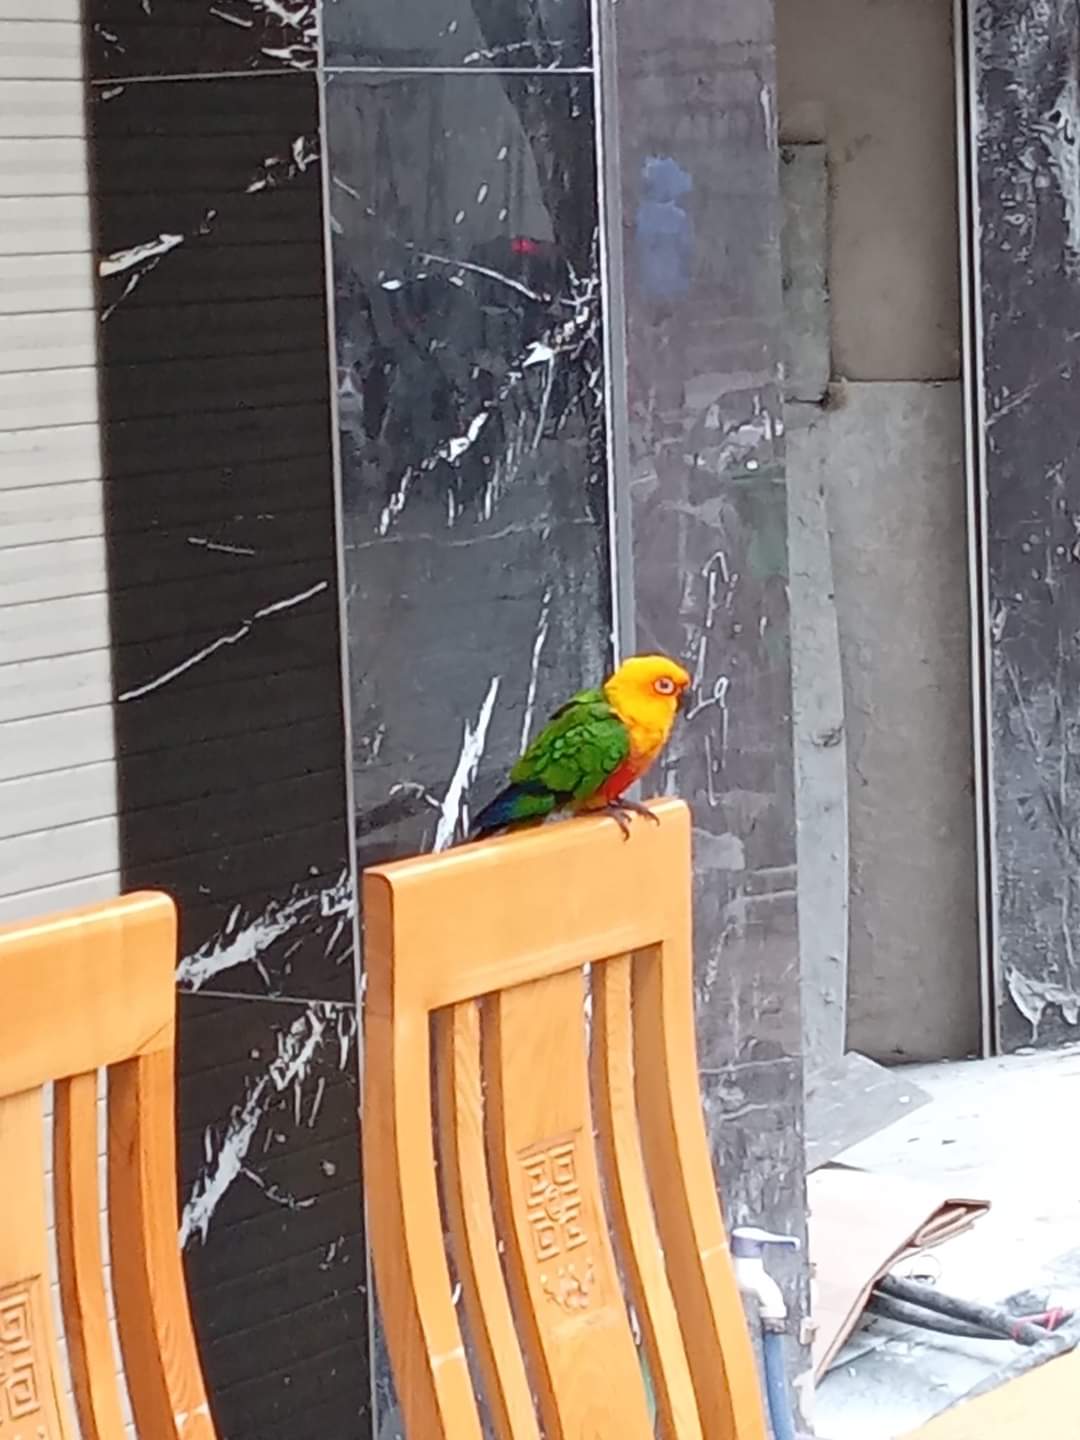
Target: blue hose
[(776, 1391)]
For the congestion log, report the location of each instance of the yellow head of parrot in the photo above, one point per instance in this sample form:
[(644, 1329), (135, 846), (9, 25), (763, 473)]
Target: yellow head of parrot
[(645, 692)]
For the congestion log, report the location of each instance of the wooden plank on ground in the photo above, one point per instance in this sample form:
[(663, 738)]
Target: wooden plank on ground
[(1038, 1403)]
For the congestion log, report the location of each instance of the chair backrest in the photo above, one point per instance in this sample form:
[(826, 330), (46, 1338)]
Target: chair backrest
[(81, 991), (540, 1160)]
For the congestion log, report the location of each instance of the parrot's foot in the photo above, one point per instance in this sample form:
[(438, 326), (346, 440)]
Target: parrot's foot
[(636, 809), (621, 810)]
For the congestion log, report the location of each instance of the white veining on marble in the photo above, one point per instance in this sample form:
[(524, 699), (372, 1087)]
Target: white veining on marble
[(140, 260), (534, 666), (498, 54), (121, 260), (454, 808), (232, 638), (244, 22), (244, 940), (219, 546), (227, 1150), (563, 340), (279, 169)]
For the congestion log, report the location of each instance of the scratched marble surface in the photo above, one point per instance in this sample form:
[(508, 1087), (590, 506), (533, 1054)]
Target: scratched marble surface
[(230, 737), (698, 158), (464, 224), (268, 1100), (200, 37), (471, 403), (470, 34), (221, 525), (472, 430), (1027, 153)]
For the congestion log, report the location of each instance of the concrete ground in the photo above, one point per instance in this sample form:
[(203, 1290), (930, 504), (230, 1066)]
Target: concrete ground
[(1006, 1130)]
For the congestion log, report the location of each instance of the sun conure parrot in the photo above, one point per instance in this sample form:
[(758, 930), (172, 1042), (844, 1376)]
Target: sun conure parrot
[(593, 749)]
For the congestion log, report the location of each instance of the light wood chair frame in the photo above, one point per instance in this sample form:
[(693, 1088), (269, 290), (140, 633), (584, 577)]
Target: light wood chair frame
[(89, 989), (475, 963)]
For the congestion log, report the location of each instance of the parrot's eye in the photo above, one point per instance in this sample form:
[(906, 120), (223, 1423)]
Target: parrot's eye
[(665, 685)]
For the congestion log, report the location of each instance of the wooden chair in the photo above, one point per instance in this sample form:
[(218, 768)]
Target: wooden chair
[(537, 1171), (83, 990)]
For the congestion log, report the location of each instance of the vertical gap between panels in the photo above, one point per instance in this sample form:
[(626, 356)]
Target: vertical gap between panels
[(974, 396), (339, 523), (503, 1221), (106, 1251), (386, 1421), (595, 1041), (639, 959), (343, 644), (454, 1262), (48, 1116), (613, 321)]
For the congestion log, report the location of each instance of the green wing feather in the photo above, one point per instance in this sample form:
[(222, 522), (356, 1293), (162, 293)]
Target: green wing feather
[(580, 747)]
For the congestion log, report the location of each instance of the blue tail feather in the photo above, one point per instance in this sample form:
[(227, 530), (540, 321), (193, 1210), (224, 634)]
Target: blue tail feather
[(529, 801)]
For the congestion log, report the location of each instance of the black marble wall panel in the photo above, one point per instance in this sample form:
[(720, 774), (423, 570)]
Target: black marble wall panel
[(274, 1256), (698, 161), (230, 737), (505, 34), (1027, 148), (467, 291), (471, 402), (200, 37)]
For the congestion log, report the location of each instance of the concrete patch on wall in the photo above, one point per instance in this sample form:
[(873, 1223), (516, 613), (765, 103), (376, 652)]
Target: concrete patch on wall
[(880, 77), (804, 187), (890, 459), (820, 748), (817, 690)]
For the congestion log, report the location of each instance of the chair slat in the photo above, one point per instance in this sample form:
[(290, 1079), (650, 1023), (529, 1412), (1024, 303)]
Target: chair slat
[(467, 1197), (628, 1190), (547, 1192), (688, 1216), (78, 1239), (411, 1273), (160, 1358), (32, 1404)]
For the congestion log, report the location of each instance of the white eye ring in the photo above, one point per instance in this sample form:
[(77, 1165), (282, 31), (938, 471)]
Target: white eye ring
[(665, 686)]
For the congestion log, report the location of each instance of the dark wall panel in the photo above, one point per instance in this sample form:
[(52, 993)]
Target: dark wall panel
[(274, 1256), (699, 168), (230, 733), (200, 37), (470, 373), (1026, 151), (471, 401), (220, 502), (523, 34)]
